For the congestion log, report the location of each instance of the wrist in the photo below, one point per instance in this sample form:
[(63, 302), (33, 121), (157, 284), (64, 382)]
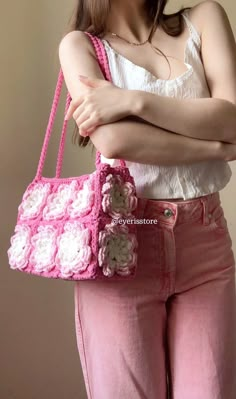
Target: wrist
[(135, 102)]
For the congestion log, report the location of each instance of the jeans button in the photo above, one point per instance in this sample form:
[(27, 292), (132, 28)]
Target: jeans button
[(168, 212)]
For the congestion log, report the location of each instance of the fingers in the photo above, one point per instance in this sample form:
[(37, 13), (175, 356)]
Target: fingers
[(88, 81), (81, 118), (92, 82), (74, 104), (87, 127), (86, 132)]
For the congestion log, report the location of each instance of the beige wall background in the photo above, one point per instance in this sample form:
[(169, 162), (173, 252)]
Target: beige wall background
[(38, 352)]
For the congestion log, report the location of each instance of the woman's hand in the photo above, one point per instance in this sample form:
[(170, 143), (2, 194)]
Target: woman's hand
[(102, 103)]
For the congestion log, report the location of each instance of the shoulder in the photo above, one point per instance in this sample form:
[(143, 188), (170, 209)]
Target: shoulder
[(74, 36), (208, 12), (217, 48), (77, 56), (206, 9), (76, 40)]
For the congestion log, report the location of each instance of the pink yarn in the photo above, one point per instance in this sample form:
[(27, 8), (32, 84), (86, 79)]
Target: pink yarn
[(65, 226)]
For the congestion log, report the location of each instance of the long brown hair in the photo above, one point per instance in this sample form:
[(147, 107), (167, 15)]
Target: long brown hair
[(91, 16)]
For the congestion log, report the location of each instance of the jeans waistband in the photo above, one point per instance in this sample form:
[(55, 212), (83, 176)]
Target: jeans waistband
[(172, 213)]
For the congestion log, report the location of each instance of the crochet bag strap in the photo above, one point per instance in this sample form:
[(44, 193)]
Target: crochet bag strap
[(102, 60)]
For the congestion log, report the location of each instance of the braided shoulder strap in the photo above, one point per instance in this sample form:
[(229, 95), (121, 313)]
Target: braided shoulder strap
[(103, 63)]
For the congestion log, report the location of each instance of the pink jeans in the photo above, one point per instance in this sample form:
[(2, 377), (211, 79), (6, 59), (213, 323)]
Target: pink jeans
[(171, 331)]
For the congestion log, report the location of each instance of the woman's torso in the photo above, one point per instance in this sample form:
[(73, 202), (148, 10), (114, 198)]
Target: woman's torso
[(187, 81)]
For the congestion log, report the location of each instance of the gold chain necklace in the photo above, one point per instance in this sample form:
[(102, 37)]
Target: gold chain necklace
[(141, 44), (132, 43), (127, 41)]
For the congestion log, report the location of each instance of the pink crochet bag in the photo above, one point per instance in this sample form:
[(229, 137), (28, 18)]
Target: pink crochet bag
[(68, 228)]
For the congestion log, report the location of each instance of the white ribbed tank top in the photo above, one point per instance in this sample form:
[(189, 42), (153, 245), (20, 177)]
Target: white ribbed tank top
[(180, 181)]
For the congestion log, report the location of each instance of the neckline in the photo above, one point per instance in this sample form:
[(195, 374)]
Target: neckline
[(177, 79)]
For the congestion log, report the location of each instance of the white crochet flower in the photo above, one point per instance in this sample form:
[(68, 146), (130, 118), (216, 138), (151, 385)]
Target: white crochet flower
[(44, 247), (117, 250), (33, 201), (119, 198), (58, 201), (74, 251), (83, 199), (20, 247)]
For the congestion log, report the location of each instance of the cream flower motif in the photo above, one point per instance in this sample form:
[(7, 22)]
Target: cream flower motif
[(44, 247), (83, 199), (20, 247), (58, 201), (119, 198), (117, 250), (33, 201), (74, 251)]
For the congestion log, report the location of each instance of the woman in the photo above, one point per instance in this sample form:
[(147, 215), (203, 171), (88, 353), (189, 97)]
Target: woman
[(173, 328)]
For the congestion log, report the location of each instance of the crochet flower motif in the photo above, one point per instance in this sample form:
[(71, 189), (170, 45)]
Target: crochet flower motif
[(83, 200), (58, 201), (43, 248), (33, 201), (74, 251), (119, 198), (117, 250), (20, 247)]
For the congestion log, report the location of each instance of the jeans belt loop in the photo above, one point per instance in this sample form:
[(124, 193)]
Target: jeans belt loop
[(205, 213)]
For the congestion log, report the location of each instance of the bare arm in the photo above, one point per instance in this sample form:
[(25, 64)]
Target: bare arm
[(202, 118), (211, 118), (140, 142), (125, 139)]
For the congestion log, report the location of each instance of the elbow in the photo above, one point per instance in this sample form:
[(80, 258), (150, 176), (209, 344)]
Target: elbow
[(105, 140), (232, 138), (108, 151), (225, 115), (232, 123)]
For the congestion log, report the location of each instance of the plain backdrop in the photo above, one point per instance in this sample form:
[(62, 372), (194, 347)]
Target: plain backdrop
[(38, 351)]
